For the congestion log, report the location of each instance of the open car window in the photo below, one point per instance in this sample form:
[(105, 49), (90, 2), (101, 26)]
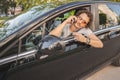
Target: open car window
[(52, 24)]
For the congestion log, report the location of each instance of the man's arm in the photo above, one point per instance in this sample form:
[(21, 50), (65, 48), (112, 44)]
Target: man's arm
[(92, 40), (95, 41), (58, 30)]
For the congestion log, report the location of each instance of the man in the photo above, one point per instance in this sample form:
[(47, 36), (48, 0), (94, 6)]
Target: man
[(78, 25)]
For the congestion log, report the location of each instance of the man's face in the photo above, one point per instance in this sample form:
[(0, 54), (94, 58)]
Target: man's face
[(82, 21)]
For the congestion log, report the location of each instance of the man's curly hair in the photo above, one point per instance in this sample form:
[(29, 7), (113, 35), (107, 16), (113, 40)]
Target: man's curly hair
[(89, 14)]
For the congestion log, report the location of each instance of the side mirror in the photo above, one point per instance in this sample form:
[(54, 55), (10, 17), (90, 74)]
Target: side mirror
[(50, 45)]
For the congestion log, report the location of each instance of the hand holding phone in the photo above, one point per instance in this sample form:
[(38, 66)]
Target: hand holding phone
[(73, 20)]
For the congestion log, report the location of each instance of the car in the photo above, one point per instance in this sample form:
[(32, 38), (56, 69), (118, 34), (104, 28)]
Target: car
[(28, 52)]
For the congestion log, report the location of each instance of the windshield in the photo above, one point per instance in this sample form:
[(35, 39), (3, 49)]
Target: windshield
[(15, 24)]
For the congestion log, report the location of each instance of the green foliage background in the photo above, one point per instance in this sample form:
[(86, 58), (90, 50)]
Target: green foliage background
[(29, 3)]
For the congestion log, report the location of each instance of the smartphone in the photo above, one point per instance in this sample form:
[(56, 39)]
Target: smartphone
[(73, 20)]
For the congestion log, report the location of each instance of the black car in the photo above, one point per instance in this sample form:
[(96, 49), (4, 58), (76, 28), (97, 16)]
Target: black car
[(28, 52)]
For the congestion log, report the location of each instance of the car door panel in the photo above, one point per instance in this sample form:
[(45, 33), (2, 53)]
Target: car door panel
[(68, 67), (62, 69)]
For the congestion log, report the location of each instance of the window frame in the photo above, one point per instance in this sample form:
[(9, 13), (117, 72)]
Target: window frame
[(28, 32)]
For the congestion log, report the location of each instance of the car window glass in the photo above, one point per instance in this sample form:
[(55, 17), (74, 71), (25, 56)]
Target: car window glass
[(109, 15), (31, 40)]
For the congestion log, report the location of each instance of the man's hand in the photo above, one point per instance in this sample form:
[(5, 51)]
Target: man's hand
[(59, 29), (79, 37), (70, 19)]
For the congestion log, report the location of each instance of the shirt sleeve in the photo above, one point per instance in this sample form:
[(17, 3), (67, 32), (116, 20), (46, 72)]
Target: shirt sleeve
[(85, 31), (66, 31)]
